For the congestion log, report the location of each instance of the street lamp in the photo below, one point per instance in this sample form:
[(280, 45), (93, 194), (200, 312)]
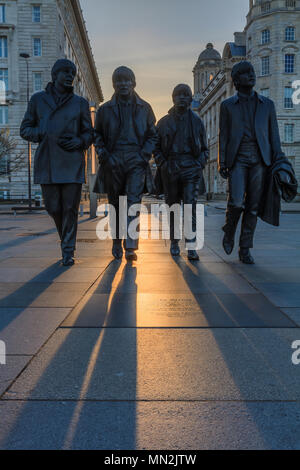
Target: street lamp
[(92, 173), (93, 112), (26, 57)]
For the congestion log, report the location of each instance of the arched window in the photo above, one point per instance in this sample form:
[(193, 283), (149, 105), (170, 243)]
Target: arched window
[(290, 33)]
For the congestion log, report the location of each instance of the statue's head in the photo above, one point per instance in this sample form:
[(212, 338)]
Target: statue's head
[(243, 75), (182, 97), (124, 82), (63, 73)]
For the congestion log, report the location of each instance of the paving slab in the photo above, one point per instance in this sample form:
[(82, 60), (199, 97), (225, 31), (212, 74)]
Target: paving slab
[(94, 262), (171, 267), (268, 274), (293, 314), (176, 310), (144, 258), (26, 330), (25, 295), (56, 273), (132, 281), (284, 294), (169, 364), (52, 252), (149, 426), (9, 371), (274, 261)]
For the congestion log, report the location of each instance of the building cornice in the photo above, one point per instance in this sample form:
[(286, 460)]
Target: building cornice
[(269, 13), (85, 39), (7, 26)]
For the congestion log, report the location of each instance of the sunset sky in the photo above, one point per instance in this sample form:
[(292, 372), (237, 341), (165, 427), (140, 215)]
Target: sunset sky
[(159, 39)]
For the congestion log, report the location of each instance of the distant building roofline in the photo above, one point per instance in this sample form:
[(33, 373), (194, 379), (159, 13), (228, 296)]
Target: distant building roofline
[(232, 50), (85, 38)]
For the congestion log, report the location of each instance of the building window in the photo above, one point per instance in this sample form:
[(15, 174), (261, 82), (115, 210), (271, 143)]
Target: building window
[(289, 63), (265, 7), (265, 92), (3, 80), (290, 3), (265, 65), (3, 115), (37, 82), (4, 170), (5, 195), (288, 93), (290, 33), (2, 13), (265, 36), (289, 133), (37, 47), (3, 46), (36, 14)]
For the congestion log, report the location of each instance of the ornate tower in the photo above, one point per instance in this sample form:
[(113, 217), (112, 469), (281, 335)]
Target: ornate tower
[(208, 64)]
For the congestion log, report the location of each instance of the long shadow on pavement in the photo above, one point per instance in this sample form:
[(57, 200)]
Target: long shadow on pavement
[(24, 296), (79, 366), (257, 359)]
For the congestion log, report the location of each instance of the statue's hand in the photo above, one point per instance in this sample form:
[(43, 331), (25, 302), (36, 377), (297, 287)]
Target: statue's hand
[(70, 142), (111, 160), (103, 155), (203, 161), (224, 172), (144, 159)]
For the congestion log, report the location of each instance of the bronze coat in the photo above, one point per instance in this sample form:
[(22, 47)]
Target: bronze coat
[(44, 123)]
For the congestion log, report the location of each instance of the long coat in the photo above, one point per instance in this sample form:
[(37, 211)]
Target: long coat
[(166, 130), (107, 131), (275, 188), (232, 130), (44, 123)]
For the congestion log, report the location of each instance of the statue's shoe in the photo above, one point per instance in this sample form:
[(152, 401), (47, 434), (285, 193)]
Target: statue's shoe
[(175, 250), (130, 255), (193, 255), (245, 256), (68, 260), (117, 252), (228, 244)]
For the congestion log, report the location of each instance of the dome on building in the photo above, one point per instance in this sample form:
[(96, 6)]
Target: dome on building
[(209, 53)]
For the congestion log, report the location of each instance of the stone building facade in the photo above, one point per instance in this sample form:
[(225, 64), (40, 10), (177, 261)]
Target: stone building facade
[(47, 30), (271, 41)]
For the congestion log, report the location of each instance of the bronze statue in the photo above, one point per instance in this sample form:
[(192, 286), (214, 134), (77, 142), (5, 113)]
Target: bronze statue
[(181, 156), (60, 122), (249, 145), (125, 137)]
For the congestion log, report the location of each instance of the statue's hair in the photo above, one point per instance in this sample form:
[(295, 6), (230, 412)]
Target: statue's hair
[(240, 68), (59, 64), (122, 70), (185, 87)]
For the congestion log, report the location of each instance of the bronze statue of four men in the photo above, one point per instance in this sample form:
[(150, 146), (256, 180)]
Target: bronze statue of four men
[(126, 137)]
